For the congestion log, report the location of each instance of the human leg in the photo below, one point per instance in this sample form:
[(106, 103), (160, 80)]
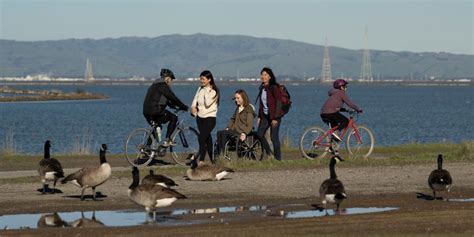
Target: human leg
[(274, 133), (262, 128)]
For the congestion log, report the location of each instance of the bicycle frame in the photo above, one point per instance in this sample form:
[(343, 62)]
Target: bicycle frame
[(343, 133)]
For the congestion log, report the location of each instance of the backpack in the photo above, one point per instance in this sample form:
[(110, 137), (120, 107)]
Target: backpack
[(285, 99)]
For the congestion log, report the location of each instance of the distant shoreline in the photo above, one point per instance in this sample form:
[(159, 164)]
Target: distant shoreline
[(51, 95), (290, 82)]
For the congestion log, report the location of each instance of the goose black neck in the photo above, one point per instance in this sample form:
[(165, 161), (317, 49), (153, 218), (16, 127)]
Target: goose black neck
[(332, 169), (102, 157), (194, 164), (440, 162), (47, 155), (136, 179)]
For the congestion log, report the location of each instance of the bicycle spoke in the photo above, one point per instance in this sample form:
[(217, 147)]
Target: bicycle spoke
[(313, 143)]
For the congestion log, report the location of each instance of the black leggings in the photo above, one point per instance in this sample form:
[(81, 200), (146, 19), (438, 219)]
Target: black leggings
[(162, 118), (264, 124), (336, 119), (205, 126), (222, 137)]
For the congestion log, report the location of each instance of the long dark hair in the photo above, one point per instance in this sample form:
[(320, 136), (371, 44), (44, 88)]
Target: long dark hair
[(272, 76), (207, 74)]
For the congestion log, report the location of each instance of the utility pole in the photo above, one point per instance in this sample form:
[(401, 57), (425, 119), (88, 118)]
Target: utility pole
[(88, 76), (366, 71), (326, 68)]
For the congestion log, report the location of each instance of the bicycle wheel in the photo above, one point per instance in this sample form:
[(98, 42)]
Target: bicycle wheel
[(138, 147), (309, 147), (187, 144), (252, 148), (360, 142)]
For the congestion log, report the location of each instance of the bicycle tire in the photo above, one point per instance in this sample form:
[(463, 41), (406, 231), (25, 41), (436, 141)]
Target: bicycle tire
[(254, 150), (363, 149), (307, 149), (187, 144), (137, 151)]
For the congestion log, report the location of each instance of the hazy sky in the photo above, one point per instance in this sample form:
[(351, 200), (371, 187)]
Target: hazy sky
[(399, 25)]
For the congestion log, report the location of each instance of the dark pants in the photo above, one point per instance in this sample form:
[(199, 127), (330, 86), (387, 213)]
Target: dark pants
[(264, 124), (205, 126), (336, 119), (222, 137), (163, 118)]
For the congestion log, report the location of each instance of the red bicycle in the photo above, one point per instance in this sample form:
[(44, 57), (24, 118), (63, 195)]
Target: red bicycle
[(317, 142)]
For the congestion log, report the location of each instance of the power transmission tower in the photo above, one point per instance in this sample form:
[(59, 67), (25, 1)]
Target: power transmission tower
[(366, 71), (88, 76), (326, 68)]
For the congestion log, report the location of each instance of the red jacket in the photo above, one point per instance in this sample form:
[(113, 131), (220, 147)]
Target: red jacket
[(273, 101)]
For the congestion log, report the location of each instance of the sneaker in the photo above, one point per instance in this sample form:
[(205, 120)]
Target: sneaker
[(335, 137), (168, 143)]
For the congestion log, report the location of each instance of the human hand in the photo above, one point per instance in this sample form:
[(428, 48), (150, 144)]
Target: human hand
[(194, 111), (274, 123), (243, 136)]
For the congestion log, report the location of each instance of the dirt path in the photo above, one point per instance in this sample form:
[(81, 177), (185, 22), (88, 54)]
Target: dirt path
[(366, 186)]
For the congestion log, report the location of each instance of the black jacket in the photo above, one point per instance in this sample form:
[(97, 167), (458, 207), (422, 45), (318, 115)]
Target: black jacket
[(158, 96)]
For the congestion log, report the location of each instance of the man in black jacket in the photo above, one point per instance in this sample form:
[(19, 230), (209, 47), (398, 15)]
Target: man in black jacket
[(159, 96)]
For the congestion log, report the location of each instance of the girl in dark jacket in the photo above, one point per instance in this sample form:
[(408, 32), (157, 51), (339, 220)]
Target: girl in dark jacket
[(270, 112)]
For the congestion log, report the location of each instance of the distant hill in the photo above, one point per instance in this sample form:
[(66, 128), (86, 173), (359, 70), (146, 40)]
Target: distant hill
[(224, 55)]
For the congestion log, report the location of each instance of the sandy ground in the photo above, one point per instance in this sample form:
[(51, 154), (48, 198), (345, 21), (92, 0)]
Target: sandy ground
[(378, 186)]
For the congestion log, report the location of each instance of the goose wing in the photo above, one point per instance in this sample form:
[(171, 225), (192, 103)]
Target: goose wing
[(331, 186), (77, 175), (154, 179)]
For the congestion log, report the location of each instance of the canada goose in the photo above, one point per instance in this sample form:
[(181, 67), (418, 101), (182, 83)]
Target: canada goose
[(86, 222), (51, 220), (332, 190), (205, 172), (440, 179), (49, 169), (91, 177), (151, 196), (158, 179)]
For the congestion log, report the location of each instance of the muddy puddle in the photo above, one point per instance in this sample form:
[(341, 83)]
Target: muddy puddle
[(175, 217)]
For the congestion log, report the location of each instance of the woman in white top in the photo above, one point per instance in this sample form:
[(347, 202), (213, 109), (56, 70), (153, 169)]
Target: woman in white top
[(204, 108)]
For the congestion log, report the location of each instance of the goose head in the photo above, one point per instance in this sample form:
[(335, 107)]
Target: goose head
[(192, 161)]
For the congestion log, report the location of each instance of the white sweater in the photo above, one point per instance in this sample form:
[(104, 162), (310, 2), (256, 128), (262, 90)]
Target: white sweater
[(205, 101)]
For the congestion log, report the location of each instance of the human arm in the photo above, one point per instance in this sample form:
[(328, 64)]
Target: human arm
[(172, 98)]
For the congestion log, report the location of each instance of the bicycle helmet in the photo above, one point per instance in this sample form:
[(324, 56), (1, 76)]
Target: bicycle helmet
[(339, 83), (167, 73)]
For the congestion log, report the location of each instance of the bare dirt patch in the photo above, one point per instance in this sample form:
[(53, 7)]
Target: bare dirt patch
[(378, 186)]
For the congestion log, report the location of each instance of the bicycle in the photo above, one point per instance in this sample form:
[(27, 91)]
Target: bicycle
[(143, 145), (317, 142)]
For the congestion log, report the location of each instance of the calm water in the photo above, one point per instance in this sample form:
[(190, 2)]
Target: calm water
[(396, 114)]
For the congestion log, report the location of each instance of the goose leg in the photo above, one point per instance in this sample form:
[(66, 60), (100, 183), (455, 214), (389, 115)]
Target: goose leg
[(45, 186), (93, 194), (337, 207), (434, 195), (82, 194), (54, 186)]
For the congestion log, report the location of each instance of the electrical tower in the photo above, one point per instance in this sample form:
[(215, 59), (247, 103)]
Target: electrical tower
[(326, 68), (366, 71), (88, 76)]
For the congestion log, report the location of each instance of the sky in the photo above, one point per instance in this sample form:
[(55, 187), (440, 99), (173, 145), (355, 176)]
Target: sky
[(397, 25)]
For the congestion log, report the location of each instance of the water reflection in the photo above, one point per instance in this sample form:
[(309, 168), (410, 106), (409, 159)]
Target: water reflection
[(331, 212), (461, 199), (175, 217), (86, 222), (51, 220)]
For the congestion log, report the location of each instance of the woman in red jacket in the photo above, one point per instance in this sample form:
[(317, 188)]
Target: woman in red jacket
[(270, 112)]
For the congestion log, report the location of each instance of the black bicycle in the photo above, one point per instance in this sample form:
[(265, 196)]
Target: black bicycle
[(144, 144)]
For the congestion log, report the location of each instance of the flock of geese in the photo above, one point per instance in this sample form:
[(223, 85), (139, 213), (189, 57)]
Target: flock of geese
[(156, 190)]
